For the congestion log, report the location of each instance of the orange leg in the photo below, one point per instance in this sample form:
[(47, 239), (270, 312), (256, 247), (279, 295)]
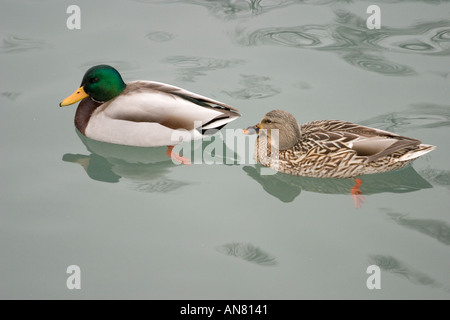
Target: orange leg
[(175, 156), (358, 198)]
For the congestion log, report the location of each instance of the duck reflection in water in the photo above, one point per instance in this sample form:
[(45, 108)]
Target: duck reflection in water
[(331, 149), (144, 168), (288, 187)]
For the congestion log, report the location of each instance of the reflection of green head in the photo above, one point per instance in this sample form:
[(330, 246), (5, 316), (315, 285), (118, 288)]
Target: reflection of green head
[(102, 83), (97, 167)]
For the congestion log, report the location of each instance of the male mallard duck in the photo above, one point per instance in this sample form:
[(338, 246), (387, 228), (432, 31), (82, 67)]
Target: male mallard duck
[(331, 148), (143, 113)]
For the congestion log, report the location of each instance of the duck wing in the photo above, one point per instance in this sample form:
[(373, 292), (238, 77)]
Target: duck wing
[(365, 141), (170, 106)]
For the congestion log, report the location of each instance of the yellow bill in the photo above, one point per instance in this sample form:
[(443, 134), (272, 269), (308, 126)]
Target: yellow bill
[(74, 97)]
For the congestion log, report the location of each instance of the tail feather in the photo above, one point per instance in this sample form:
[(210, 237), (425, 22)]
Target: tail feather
[(413, 154), (396, 146)]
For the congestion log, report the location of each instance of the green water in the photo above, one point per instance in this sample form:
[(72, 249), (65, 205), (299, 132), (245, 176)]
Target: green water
[(139, 226)]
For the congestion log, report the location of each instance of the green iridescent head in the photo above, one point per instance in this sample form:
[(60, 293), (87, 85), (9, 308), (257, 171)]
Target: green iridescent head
[(102, 83)]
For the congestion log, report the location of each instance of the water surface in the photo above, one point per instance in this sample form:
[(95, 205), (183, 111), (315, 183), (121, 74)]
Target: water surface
[(139, 226)]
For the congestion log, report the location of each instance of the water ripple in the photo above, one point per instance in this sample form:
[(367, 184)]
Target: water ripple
[(190, 67), (125, 67), (232, 9), (349, 37), (417, 46), (292, 38), (15, 44), (255, 87), (160, 36), (426, 38), (377, 64), (442, 36), (439, 177), (310, 36), (349, 31), (417, 116)]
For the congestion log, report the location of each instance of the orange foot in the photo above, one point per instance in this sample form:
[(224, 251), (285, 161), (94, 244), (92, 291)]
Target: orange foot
[(358, 198), (175, 156)]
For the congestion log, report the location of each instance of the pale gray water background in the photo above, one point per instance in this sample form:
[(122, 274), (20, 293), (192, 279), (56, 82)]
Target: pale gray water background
[(161, 231)]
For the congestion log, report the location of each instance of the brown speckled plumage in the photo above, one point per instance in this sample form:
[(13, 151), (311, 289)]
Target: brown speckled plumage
[(333, 148)]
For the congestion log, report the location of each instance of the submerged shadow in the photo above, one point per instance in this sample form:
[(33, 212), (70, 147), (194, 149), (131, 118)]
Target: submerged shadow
[(436, 229), (247, 252), (394, 266)]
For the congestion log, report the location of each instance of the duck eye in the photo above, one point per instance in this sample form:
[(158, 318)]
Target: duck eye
[(94, 80), (268, 121)]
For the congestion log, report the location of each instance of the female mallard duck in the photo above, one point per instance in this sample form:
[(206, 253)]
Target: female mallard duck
[(143, 113), (331, 148)]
